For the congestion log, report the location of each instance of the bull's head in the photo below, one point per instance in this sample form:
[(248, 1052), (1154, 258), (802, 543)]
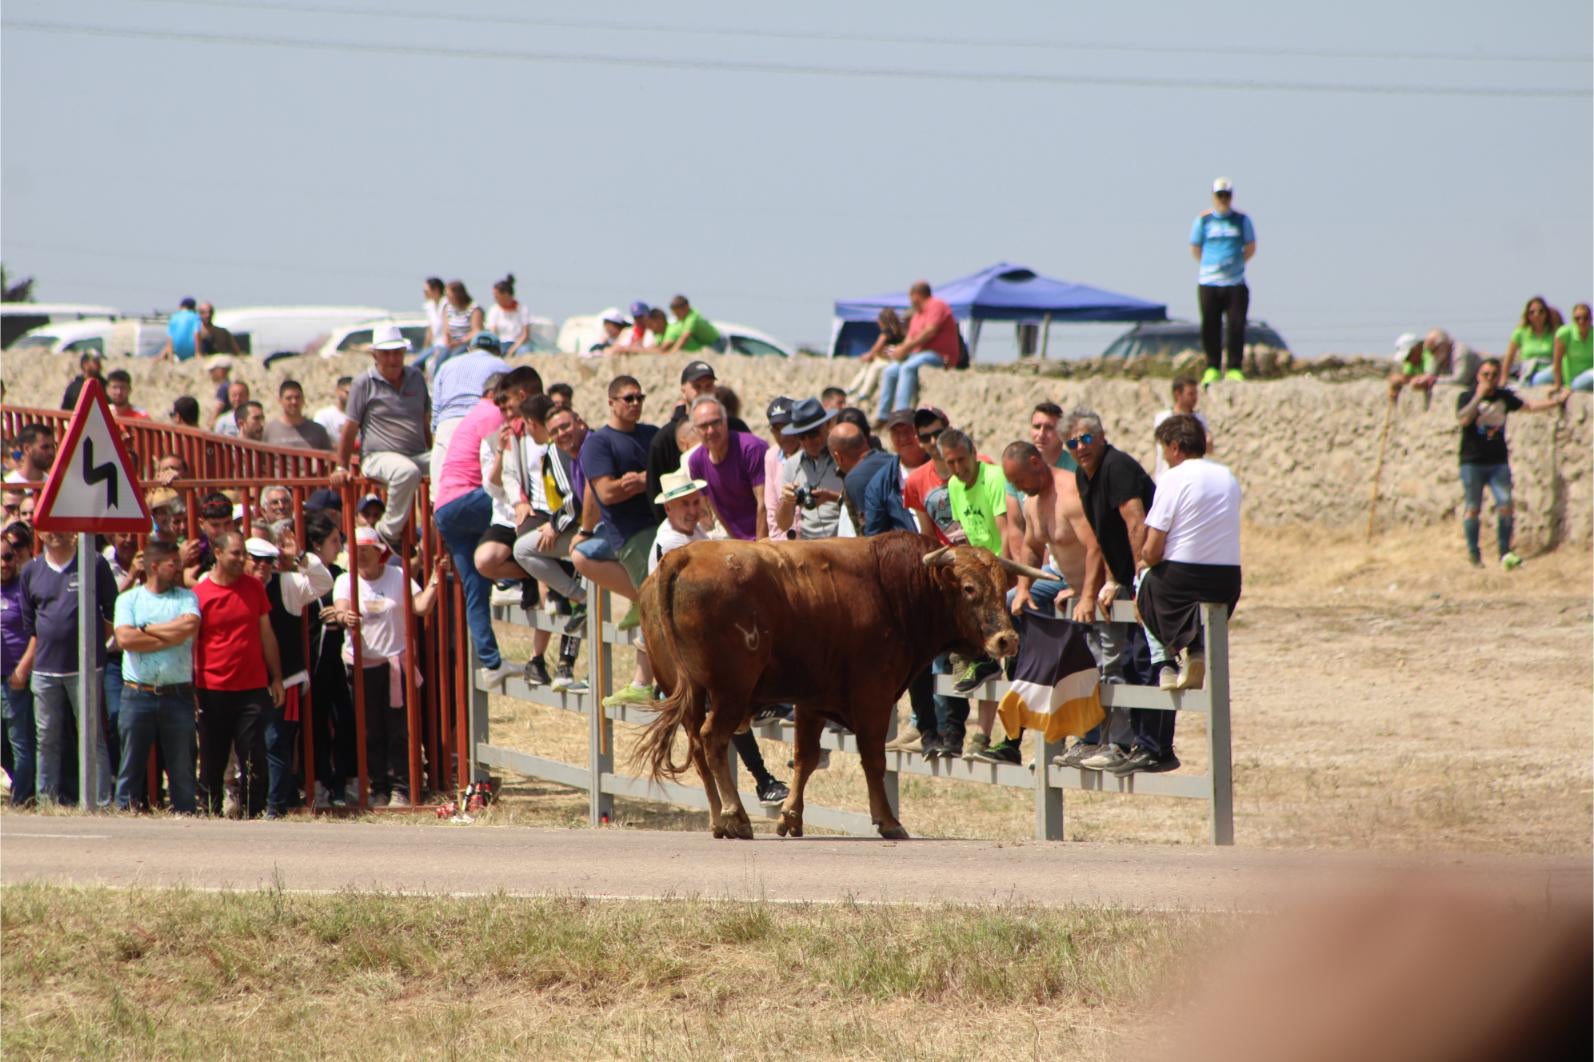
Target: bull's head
[(975, 590)]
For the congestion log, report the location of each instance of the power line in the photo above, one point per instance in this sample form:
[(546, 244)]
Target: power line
[(456, 18), (477, 54)]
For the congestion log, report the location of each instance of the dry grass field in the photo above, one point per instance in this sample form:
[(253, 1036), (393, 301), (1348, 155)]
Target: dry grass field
[(176, 974)]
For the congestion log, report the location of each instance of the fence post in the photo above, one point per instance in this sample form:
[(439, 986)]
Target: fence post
[(1048, 800), (477, 698), (1215, 618), (600, 731)]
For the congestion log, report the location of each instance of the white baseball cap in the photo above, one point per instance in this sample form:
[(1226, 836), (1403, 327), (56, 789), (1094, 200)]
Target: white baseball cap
[(259, 547), (1222, 184), (614, 315), (388, 337)]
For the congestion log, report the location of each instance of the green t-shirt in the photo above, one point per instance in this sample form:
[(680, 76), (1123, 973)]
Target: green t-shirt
[(699, 332), (1579, 352), (976, 508), (1533, 347)]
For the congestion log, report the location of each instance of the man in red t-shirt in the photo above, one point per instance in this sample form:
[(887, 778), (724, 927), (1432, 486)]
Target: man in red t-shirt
[(237, 674), (932, 340)]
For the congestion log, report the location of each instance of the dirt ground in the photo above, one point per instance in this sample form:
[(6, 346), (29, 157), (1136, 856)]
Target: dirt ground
[(1384, 697)]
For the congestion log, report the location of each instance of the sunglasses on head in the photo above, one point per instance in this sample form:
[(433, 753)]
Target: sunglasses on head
[(1083, 440), (635, 397)]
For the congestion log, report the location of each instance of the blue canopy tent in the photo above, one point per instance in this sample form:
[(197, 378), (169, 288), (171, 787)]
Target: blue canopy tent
[(1002, 292)]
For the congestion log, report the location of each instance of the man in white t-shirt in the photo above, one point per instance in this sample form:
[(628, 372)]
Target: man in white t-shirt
[(1191, 555), (686, 513), (383, 658), (332, 417), (1186, 393)]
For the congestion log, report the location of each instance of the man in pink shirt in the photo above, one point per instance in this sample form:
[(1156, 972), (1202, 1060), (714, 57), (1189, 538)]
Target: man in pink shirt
[(463, 508), (932, 340)]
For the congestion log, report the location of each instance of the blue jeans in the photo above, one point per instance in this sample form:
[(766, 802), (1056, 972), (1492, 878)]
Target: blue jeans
[(282, 785), (144, 718), (951, 713), (1583, 381), (1475, 477), (111, 691), (461, 523), (55, 699), (1043, 593), (19, 731), (899, 383)]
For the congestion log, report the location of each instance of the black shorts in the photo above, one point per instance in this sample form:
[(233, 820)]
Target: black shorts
[(504, 536)]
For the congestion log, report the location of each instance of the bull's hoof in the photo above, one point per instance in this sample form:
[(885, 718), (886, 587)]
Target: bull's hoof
[(718, 831), (738, 829), (790, 823), (894, 833)]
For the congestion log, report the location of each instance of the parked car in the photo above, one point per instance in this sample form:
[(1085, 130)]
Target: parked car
[(18, 318), (356, 338), (580, 333), (1171, 338), (141, 336), (266, 330)]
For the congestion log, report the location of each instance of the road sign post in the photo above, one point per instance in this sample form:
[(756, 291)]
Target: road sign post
[(93, 488)]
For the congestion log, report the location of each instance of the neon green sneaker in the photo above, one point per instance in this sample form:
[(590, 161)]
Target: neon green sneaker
[(1510, 561), (1210, 376), (630, 696), (1234, 374)]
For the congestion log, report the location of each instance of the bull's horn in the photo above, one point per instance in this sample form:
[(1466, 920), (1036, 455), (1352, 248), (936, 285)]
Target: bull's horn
[(938, 557), (1024, 569)]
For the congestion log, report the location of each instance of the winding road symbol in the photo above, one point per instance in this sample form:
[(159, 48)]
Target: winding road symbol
[(105, 473)]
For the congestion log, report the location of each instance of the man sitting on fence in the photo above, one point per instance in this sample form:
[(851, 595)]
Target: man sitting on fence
[(384, 659), (389, 410), (614, 553), (455, 391), (547, 516), (1191, 555)]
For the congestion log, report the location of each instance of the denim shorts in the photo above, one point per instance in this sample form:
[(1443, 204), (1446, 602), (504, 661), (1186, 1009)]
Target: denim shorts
[(596, 548)]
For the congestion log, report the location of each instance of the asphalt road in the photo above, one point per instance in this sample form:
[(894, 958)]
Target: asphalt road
[(470, 859)]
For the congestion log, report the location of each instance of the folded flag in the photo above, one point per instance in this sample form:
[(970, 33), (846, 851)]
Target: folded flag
[(1055, 687)]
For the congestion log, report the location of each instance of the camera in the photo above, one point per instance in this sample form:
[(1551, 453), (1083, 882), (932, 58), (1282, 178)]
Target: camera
[(805, 497)]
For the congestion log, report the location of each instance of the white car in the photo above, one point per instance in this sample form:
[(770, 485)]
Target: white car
[(267, 330), (580, 333), (357, 337)]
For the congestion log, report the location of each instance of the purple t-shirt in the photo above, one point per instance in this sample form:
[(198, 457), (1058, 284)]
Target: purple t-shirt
[(731, 483), (13, 640)]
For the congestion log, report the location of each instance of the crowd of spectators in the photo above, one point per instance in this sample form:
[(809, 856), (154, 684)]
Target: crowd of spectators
[(213, 641)]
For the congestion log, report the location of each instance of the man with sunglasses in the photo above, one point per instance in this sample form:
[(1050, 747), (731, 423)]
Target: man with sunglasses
[(1222, 240), (1485, 460), (617, 524), (810, 493), (1116, 493)]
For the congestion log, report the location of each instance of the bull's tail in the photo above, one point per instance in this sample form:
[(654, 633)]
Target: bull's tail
[(656, 749), (683, 707)]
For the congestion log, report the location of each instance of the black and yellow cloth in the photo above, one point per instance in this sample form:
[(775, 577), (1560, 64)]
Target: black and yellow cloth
[(1056, 688)]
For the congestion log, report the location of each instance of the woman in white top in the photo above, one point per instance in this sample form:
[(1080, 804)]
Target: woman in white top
[(509, 320), (432, 307)]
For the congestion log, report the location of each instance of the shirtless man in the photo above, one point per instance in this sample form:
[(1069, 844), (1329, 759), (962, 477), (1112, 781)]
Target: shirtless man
[(1055, 528)]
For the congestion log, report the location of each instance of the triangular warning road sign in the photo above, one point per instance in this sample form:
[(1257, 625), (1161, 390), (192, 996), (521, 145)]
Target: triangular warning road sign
[(92, 485)]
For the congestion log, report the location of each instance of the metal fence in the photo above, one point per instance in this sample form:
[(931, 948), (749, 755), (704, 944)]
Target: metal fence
[(603, 782)]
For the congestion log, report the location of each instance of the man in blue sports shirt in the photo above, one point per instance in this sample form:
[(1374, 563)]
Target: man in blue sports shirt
[(1222, 240)]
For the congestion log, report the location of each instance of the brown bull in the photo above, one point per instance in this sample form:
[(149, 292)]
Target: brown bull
[(837, 627)]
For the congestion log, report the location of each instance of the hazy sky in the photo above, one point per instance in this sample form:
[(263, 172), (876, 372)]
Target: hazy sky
[(338, 152)]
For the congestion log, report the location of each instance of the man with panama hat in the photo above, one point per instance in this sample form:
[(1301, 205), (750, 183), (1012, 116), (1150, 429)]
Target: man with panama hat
[(810, 481)]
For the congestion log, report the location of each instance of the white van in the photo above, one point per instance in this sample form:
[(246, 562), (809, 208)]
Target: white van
[(115, 337), (266, 330), (19, 318)]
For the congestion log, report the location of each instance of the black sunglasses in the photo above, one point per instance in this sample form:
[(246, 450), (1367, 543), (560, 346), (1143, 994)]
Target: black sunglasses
[(1084, 440), (639, 396), (930, 436)]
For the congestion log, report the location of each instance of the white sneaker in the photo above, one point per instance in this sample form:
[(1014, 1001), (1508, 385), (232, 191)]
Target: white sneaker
[(1194, 671), (1167, 677), (909, 740), (398, 800), (489, 677), (565, 682), (506, 596), (323, 799)]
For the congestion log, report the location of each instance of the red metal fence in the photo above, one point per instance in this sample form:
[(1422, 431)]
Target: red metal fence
[(436, 680)]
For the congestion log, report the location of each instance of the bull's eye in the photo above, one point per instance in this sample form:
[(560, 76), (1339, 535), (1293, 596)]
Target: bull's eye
[(967, 589)]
